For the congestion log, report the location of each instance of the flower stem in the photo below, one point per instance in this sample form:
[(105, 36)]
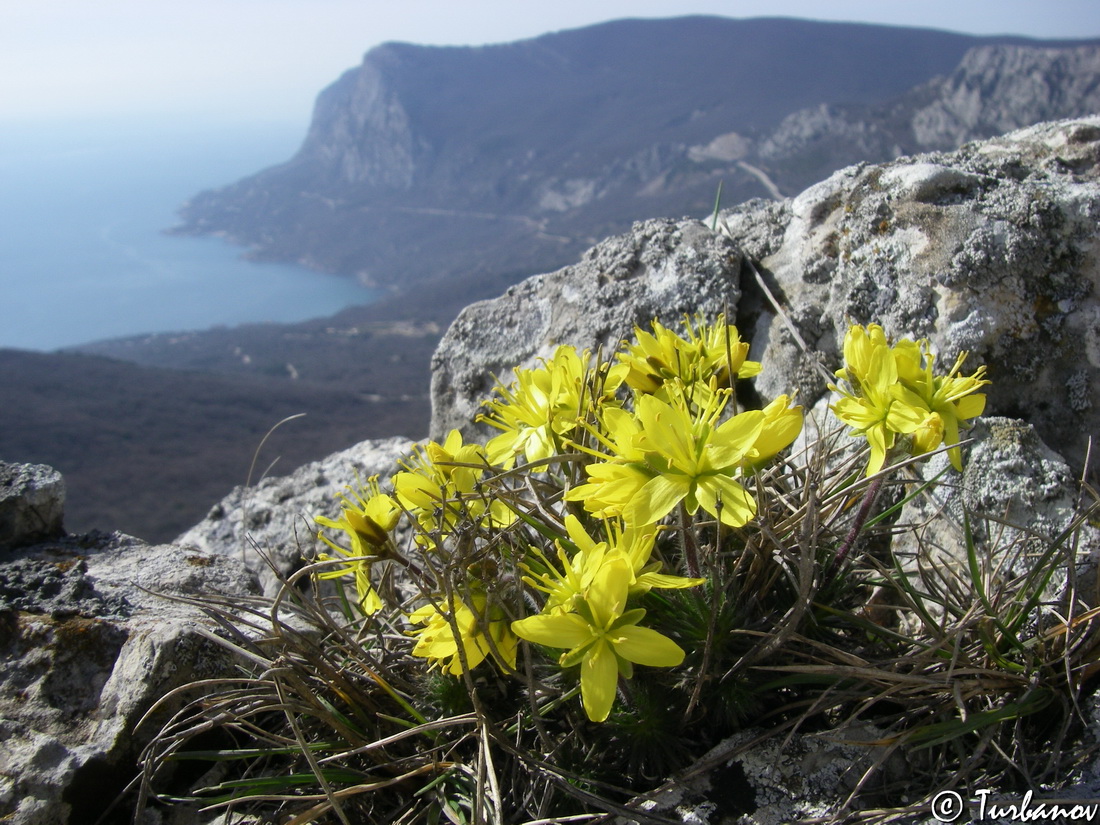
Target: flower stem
[(691, 549), (857, 527)]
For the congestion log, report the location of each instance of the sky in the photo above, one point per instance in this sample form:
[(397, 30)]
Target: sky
[(254, 60)]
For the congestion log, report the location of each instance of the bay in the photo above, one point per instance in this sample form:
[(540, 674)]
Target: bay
[(83, 252)]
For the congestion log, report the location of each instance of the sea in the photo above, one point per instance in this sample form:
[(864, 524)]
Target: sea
[(84, 256)]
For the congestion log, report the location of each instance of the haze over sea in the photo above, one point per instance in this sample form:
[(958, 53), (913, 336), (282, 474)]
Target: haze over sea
[(83, 254)]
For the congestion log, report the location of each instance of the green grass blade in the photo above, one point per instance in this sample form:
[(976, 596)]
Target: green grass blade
[(717, 207)]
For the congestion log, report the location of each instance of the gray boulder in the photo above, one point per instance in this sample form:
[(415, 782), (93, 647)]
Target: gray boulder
[(1017, 495), (990, 249), (32, 503), (661, 269), (92, 635)]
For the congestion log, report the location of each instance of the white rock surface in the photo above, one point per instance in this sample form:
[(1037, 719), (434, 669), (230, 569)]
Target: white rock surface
[(88, 644)]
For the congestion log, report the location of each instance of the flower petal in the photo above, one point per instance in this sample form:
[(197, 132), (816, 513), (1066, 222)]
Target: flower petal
[(664, 581), (655, 499), (669, 430), (733, 439), (555, 630), (970, 406), (738, 505), (606, 595), (599, 678), (647, 647), (581, 540)]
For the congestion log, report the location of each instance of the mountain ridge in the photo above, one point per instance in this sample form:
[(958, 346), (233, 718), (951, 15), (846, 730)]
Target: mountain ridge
[(446, 161)]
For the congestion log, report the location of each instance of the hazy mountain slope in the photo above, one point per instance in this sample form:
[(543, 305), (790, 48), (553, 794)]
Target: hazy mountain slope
[(429, 161), (147, 451)]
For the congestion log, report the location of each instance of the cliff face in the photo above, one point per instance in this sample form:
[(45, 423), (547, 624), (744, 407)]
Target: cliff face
[(998, 89), (433, 162), (361, 135), (995, 89)]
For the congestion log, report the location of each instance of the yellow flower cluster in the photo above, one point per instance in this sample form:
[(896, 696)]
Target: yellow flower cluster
[(662, 358), (439, 489), (602, 637), (893, 398), (585, 609), (542, 407), (668, 453), (617, 448), (663, 419), (482, 630)]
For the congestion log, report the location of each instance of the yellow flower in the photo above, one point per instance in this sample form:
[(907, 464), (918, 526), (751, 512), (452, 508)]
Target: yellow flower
[(710, 351), (541, 406), (782, 424), (954, 399), (861, 344), (894, 391), (686, 458), (929, 435), (611, 487), (566, 585), (602, 638), (872, 408), (368, 516), (477, 624), (439, 486)]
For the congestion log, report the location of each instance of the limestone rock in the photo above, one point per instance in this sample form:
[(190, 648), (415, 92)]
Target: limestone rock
[(1017, 495), (273, 520), (999, 88), (1020, 502), (88, 643), (991, 249), (32, 502), (662, 269)]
